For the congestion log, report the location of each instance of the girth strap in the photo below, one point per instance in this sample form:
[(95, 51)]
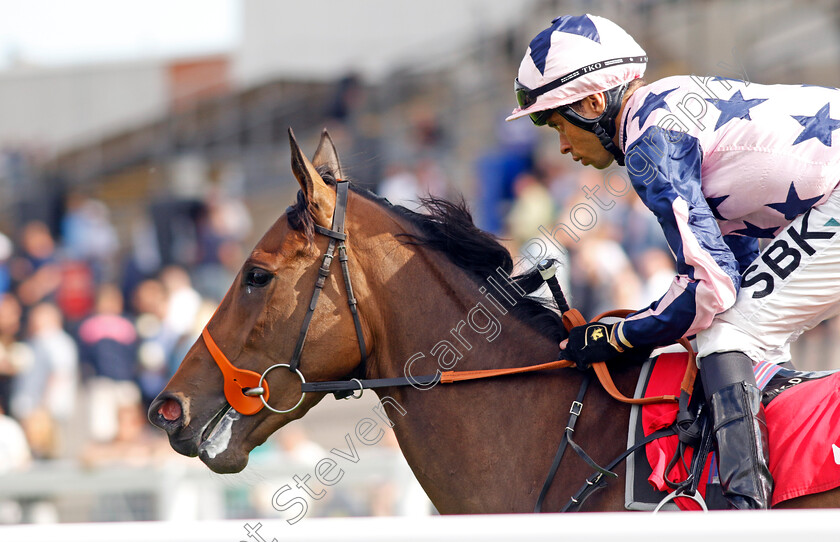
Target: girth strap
[(574, 412), (596, 480)]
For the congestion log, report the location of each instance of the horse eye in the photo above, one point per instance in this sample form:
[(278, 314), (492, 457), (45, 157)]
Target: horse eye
[(258, 277)]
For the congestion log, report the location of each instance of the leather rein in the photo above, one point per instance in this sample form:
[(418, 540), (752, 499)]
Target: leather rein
[(247, 391)]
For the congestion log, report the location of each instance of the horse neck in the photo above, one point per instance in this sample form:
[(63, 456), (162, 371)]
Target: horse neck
[(435, 308), (488, 432)]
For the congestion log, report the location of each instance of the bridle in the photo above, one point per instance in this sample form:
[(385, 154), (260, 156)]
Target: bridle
[(247, 391)]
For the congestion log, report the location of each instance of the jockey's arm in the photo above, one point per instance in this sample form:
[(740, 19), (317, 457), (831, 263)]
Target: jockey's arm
[(664, 168)]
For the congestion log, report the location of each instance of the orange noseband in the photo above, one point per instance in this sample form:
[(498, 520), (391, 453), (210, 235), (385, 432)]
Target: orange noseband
[(237, 381)]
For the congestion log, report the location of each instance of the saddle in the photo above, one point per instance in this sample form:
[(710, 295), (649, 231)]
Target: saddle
[(802, 411), (668, 419)]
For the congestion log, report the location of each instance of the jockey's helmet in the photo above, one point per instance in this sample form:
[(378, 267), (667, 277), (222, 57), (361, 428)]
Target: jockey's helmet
[(575, 57)]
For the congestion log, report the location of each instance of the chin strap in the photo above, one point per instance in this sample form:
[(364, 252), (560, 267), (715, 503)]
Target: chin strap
[(607, 141), (604, 125)]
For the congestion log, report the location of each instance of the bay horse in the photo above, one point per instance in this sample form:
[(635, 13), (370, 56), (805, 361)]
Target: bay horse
[(429, 291)]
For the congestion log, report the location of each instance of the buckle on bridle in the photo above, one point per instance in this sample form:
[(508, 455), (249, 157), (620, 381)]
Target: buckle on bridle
[(361, 390)]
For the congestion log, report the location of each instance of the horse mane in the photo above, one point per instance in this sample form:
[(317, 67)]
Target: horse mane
[(448, 228)]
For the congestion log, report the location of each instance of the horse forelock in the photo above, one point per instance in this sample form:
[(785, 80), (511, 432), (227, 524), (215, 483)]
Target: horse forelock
[(299, 215)]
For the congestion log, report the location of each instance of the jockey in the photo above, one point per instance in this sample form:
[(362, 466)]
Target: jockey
[(721, 163)]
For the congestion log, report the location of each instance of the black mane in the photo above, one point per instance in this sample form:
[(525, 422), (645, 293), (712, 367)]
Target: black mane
[(447, 227)]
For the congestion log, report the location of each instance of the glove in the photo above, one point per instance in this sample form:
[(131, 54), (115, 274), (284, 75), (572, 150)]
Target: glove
[(591, 343)]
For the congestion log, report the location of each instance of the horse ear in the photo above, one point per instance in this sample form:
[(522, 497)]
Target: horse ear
[(320, 197), (326, 155)]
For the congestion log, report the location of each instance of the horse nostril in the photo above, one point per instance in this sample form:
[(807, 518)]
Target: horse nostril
[(170, 410), (167, 412)]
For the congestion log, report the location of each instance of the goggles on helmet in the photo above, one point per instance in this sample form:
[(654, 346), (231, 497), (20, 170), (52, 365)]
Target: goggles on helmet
[(526, 97)]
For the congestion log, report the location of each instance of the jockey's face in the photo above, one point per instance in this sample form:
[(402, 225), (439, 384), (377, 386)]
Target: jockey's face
[(584, 146)]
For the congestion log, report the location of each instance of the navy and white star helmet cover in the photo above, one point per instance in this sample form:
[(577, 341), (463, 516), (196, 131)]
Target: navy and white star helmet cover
[(570, 43)]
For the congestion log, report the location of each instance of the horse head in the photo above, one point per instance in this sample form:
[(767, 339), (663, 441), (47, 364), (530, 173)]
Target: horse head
[(245, 355)]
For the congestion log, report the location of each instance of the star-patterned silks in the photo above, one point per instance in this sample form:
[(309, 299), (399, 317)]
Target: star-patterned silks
[(751, 230), (652, 102), (719, 192), (714, 203), (735, 107), (793, 206), (580, 25), (819, 127)]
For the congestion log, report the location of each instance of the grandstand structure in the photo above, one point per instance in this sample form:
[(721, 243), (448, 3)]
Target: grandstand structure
[(235, 108)]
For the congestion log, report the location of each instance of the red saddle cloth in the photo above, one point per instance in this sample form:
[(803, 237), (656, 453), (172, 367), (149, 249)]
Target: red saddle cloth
[(804, 431)]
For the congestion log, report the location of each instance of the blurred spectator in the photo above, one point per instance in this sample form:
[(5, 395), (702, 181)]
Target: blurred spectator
[(532, 208), (108, 339), (635, 227), (157, 341), (404, 185), (45, 392), (14, 449), (431, 178), (175, 229), (561, 176), (145, 257), (14, 355), (224, 223), (6, 250), (604, 276), (427, 135), (657, 271), (186, 341), (349, 94), (108, 351), (401, 187), (131, 443), (295, 445), (36, 270), (76, 292), (87, 235), (183, 301), (498, 168), (15, 455)]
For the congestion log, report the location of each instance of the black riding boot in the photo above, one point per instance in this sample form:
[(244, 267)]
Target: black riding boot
[(740, 429)]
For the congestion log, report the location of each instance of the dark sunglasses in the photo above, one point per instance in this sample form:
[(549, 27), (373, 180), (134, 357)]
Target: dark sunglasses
[(526, 97)]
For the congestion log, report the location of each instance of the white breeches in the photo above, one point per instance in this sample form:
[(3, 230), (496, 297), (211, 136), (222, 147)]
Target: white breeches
[(791, 287)]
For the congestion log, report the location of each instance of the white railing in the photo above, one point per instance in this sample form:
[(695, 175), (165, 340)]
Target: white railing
[(773, 526), (186, 490)]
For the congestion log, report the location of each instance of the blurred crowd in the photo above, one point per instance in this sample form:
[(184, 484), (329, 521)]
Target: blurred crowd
[(91, 331)]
